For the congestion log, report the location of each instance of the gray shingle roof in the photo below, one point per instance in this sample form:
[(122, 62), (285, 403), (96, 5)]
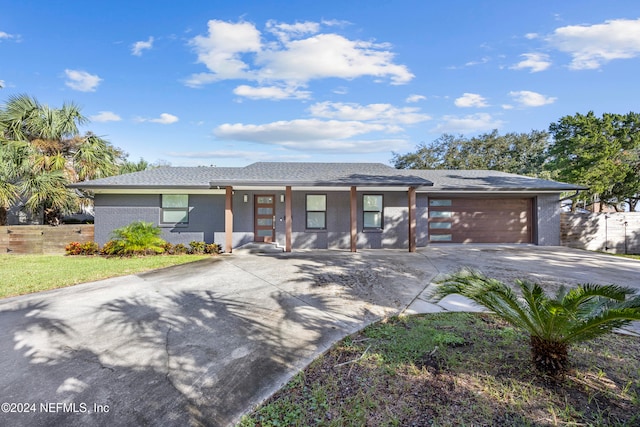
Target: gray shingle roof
[(322, 174), (488, 180), (165, 177)]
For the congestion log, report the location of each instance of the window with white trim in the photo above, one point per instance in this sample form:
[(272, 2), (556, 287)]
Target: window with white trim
[(372, 211), (175, 209), (316, 209)]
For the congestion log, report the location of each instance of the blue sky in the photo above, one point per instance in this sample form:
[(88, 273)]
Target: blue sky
[(229, 83)]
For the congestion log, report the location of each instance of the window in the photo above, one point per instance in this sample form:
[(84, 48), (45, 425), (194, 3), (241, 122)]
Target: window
[(440, 225), (440, 214), (439, 202), (316, 211), (372, 211), (175, 209)]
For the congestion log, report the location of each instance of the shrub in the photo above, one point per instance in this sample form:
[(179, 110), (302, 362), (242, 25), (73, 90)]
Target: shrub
[(138, 238), (180, 249), (112, 247), (86, 248), (90, 248), (196, 247), (212, 248), (73, 248), (169, 248)]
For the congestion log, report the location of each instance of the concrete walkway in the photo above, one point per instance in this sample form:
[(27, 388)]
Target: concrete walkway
[(201, 344)]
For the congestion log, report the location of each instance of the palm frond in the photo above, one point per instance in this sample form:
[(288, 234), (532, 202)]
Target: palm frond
[(572, 316), (490, 293)]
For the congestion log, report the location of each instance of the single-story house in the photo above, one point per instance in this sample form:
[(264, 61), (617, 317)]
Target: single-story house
[(331, 205)]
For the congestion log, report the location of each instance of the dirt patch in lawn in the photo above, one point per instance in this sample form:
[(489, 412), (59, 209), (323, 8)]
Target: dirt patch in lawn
[(457, 369)]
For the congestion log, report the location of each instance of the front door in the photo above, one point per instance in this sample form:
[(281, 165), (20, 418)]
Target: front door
[(265, 216)]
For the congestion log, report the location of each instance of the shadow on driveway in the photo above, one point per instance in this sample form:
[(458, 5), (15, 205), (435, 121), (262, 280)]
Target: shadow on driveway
[(202, 343), (196, 344)]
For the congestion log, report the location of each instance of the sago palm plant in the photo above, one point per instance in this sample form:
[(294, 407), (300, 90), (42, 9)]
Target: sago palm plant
[(554, 324)]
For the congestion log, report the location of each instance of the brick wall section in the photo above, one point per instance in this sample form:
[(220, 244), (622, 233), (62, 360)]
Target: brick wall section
[(42, 239), (607, 232)]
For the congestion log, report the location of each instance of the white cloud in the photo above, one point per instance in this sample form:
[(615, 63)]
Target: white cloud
[(331, 55), (299, 54), (415, 98), (5, 36), (285, 32), (526, 98), (221, 51), (531, 36), (138, 47), (313, 135), (2, 84), (378, 113), (473, 123), (470, 100), (534, 61), (105, 116), (482, 60), (271, 92), (295, 130), (164, 119), (81, 80), (591, 46)]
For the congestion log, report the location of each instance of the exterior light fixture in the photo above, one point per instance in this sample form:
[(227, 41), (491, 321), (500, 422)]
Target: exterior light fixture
[(282, 198), (245, 198)]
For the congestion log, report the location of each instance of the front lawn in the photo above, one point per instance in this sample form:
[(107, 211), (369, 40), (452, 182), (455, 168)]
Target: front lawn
[(451, 369), (24, 274)]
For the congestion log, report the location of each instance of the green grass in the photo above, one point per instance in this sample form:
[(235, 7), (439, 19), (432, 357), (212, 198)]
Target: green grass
[(456, 369), (24, 274)]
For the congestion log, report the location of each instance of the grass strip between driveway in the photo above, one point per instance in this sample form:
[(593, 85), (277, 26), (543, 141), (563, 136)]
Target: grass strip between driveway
[(451, 369), (24, 274)]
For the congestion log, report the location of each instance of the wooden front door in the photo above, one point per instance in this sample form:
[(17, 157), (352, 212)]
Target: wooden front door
[(264, 218)]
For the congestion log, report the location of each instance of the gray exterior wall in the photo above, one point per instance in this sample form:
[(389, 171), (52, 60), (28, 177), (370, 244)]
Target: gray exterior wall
[(338, 233), (547, 211), (206, 215), (206, 219)]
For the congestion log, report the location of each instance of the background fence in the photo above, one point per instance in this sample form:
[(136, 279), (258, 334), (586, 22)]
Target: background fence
[(607, 232), (42, 239)]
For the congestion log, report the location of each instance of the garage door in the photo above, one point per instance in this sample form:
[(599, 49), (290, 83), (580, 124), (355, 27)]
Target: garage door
[(480, 220)]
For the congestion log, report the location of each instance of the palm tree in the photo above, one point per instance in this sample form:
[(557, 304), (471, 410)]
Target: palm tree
[(8, 189), (554, 324), (52, 153), (129, 166)]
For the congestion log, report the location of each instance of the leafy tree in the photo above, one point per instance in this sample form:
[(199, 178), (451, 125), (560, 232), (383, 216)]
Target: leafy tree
[(602, 153), (518, 153), (42, 150), (554, 324)]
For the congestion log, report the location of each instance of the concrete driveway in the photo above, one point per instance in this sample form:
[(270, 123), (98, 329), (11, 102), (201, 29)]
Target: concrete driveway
[(201, 344)]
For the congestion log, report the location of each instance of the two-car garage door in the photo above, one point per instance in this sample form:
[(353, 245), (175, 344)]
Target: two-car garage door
[(480, 220)]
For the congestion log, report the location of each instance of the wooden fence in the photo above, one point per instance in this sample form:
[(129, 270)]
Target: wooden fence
[(42, 239), (617, 233)]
